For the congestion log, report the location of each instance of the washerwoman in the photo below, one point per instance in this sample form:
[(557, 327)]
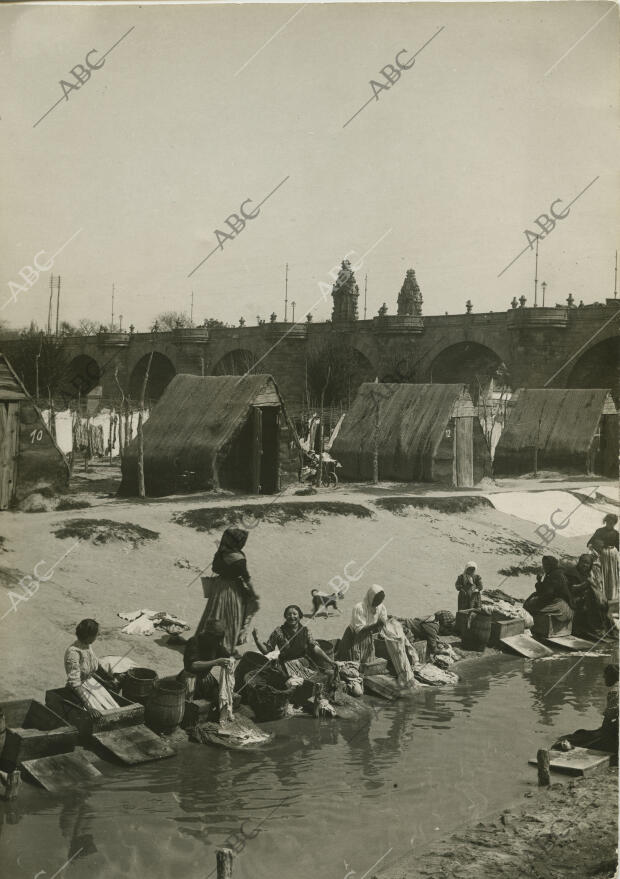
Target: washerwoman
[(469, 586), (367, 619), (232, 599)]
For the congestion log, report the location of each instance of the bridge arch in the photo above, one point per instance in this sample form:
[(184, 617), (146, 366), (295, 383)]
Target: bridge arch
[(469, 363), (335, 371), (598, 367), (238, 361), (83, 373), (161, 373)]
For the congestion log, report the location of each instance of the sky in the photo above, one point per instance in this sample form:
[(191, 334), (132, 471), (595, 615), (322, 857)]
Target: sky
[(508, 108)]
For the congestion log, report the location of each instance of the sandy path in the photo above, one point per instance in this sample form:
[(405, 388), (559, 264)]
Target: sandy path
[(417, 556), (568, 830)]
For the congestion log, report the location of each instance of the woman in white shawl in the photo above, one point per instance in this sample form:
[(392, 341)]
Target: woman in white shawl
[(368, 617)]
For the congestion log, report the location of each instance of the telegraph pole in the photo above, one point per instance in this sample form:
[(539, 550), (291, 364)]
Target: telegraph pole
[(191, 312), (536, 277), (286, 295), (49, 308), (365, 292), (112, 324), (616, 278), (57, 302)]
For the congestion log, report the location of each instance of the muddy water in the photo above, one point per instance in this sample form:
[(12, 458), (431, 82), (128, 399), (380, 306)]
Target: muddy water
[(326, 798)]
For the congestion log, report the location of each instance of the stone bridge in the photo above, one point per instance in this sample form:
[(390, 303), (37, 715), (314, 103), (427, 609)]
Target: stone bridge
[(564, 346)]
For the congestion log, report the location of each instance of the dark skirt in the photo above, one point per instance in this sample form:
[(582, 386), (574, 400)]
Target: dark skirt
[(230, 603)]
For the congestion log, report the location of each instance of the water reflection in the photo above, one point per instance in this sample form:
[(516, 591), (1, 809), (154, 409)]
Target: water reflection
[(574, 680), (76, 825), (415, 762)]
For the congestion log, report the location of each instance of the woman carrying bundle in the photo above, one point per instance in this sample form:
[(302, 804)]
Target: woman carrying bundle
[(232, 599)]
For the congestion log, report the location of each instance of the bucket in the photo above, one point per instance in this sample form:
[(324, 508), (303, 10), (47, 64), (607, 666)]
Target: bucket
[(138, 684), (479, 631), (165, 707)]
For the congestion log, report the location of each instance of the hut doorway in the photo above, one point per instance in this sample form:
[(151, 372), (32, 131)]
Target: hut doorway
[(603, 457), (265, 449), (463, 452), (9, 433)]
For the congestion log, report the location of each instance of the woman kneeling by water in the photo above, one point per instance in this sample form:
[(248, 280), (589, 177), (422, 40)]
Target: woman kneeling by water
[(204, 653), (367, 619), (551, 601), (297, 648), (85, 676)]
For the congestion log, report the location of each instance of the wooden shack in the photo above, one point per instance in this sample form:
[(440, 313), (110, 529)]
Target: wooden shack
[(418, 433), (29, 456), (560, 429), (211, 432)]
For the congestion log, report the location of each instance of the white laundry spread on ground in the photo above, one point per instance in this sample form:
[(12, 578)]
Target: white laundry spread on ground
[(147, 622)]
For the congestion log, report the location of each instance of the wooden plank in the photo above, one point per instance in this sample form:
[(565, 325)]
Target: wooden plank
[(135, 744), (382, 685), (569, 642), (61, 772), (579, 761), (527, 646)]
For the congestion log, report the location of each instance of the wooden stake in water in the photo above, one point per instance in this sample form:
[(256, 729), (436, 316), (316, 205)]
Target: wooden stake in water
[(224, 858), (543, 767)]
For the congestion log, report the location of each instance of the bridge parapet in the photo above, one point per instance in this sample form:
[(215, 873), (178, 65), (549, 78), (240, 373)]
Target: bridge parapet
[(538, 318), (398, 323), (113, 340)]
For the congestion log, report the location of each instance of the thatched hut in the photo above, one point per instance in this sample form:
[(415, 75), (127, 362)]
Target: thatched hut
[(211, 432), (559, 429), (418, 433), (30, 460)]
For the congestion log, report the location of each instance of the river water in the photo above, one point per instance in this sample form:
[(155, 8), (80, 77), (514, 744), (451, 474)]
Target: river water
[(326, 798)]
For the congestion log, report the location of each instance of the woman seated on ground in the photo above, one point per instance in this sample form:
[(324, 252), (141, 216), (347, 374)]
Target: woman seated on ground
[(551, 604), (469, 586), (204, 653), (299, 653), (604, 542), (367, 619), (85, 675), (605, 738), (232, 598), (591, 609)]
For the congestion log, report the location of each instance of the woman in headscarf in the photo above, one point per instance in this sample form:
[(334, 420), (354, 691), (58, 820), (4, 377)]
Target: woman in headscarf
[(604, 542), (231, 597), (367, 618), (297, 648), (469, 586), (552, 601)]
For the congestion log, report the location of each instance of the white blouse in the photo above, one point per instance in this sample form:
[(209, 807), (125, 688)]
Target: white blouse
[(80, 663)]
